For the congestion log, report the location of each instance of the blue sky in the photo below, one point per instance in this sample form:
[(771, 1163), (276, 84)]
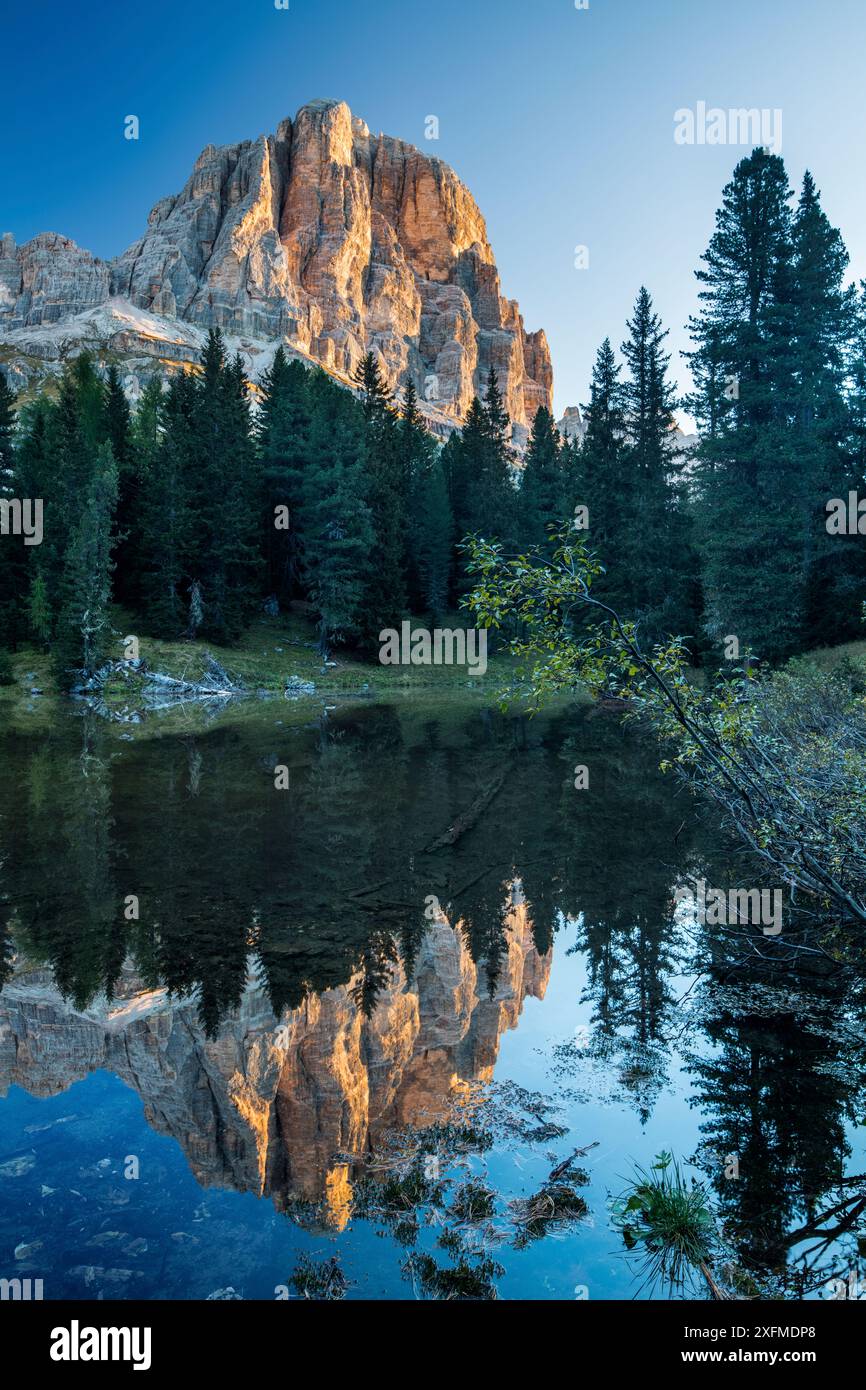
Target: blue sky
[(560, 120)]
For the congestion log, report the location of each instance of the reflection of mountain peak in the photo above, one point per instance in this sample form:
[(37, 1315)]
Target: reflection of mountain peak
[(265, 1107)]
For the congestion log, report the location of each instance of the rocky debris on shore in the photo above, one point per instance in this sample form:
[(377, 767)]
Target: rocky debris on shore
[(296, 687)]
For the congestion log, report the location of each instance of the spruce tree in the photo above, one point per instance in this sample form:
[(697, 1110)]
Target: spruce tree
[(605, 485), (337, 524), (224, 546), (432, 538), (57, 457), (850, 575), (38, 609), (165, 533), (660, 560), (415, 444), (282, 428), (32, 478), (13, 560), (117, 420), (478, 468), (463, 460), (84, 629), (385, 491), (430, 521), (7, 425), (376, 397), (117, 430), (542, 500), (742, 364), (494, 492), (90, 394), (144, 442), (823, 319)]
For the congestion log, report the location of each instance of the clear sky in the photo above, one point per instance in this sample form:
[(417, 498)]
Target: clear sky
[(560, 120)]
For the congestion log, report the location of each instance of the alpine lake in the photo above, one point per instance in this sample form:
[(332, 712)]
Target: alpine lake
[(381, 1001)]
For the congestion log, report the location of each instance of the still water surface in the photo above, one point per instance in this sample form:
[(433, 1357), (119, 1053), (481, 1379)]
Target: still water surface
[(229, 1009)]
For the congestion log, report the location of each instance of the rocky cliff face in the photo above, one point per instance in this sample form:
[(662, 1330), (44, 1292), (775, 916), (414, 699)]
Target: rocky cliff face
[(322, 236), (269, 1105)]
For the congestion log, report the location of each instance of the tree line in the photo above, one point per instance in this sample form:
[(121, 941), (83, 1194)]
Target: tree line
[(212, 498)]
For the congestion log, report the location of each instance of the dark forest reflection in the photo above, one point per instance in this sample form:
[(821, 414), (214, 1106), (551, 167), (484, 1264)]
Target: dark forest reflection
[(334, 876), (253, 901)]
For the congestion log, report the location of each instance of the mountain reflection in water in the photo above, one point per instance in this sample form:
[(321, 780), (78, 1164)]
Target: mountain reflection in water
[(285, 977)]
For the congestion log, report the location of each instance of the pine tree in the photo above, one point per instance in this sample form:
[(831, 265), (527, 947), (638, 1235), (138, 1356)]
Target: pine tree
[(224, 546), (117, 420), (850, 577), (59, 455), (542, 492), (165, 516), (71, 439), (117, 430), (83, 634), (478, 467), (605, 485), (463, 460), (144, 442), (282, 428), (432, 538), (495, 497), (32, 475), (376, 397), (431, 522), (38, 609), (145, 427), (742, 364), (415, 443), (13, 562), (7, 425), (659, 554), (90, 398), (823, 317), (386, 496), (336, 521)]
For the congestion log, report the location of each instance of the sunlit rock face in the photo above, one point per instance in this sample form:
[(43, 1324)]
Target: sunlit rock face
[(277, 1106), (323, 236)]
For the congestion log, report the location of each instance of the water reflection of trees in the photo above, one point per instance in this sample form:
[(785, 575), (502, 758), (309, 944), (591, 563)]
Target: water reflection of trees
[(328, 883), (776, 1090), (329, 880)]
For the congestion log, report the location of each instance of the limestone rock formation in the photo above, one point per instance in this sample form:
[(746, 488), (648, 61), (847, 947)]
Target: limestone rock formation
[(572, 427), (47, 280), (323, 236)]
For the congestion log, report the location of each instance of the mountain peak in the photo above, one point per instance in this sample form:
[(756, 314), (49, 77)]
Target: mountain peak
[(321, 236)]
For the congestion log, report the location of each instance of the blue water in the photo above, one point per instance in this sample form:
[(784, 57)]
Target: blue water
[(639, 1045)]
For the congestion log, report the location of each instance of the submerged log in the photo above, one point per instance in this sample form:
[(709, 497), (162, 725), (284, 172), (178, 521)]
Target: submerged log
[(470, 816)]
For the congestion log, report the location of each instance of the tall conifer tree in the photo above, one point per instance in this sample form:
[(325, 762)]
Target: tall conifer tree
[(742, 364), (542, 500)]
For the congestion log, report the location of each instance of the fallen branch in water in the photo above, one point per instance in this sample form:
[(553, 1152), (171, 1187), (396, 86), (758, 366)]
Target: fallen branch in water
[(470, 816), (562, 1168)]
